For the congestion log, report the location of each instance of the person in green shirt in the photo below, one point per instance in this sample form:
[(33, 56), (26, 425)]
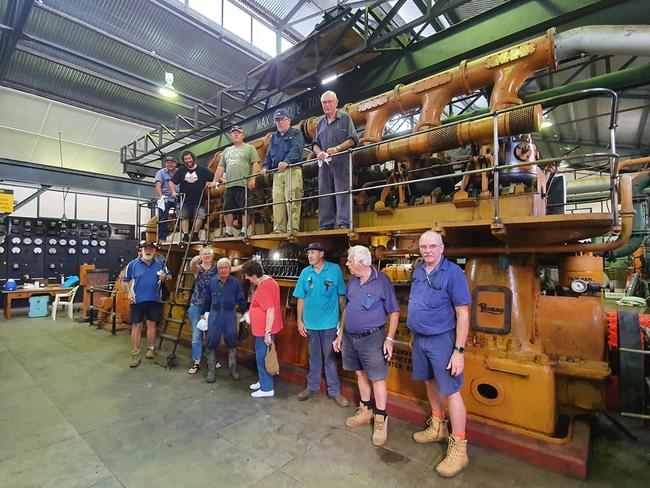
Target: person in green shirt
[(236, 162)]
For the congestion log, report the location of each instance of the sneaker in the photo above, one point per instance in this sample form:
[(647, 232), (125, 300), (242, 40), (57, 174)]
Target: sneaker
[(306, 394), (455, 460), (436, 431), (278, 231), (362, 416), (255, 386), (262, 394), (380, 432), (135, 358), (242, 233), (326, 227), (341, 401), (224, 234), (150, 354), (186, 238)]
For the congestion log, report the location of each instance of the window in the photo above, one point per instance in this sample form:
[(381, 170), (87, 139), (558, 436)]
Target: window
[(264, 38), (236, 21), (90, 207), (208, 8), (285, 44)]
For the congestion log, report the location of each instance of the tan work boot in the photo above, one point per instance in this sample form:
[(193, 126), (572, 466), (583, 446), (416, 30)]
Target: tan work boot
[(380, 433), (135, 358), (436, 431), (456, 459), (149, 354), (363, 415)]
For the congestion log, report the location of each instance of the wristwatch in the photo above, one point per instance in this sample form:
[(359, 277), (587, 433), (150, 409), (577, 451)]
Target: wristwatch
[(460, 349), (390, 339)]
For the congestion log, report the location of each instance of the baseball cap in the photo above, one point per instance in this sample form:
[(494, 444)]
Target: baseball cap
[(281, 112), (315, 246), (169, 158), (236, 128), (144, 244)]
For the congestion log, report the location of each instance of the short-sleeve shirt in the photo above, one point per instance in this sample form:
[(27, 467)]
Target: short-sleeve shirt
[(165, 177), (201, 284), (145, 279), (433, 298), (192, 182), (237, 163), (369, 304), (267, 295), (321, 292), (331, 134)]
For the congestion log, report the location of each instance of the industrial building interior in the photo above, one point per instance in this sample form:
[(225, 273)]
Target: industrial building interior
[(516, 129)]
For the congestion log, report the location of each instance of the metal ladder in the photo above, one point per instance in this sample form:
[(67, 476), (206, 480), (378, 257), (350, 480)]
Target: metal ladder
[(162, 358)]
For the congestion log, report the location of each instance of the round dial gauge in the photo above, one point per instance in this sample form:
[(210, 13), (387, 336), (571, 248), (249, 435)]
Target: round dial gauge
[(15, 240), (102, 243), (51, 242), (52, 250), (72, 250), (52, 265), (579, 286), (72, 242), (102, 251), (16, 266), (15, 250), (38, 241), (2, 249), (85, 242), (93, 242), (85, 250), (38, 250), (63, 242), (27, 240)]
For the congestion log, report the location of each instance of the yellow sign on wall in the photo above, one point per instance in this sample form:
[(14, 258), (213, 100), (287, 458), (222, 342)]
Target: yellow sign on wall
[(6, 201)]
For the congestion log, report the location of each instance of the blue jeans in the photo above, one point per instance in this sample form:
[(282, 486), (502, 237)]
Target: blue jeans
[(320, 345), (164, 215), (266, 380), (197, 335)]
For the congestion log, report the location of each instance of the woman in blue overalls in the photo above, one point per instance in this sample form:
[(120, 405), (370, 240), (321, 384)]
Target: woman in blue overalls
[(224, 294)]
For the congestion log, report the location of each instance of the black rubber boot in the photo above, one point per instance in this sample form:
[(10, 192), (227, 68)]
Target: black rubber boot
[(212, 367), (232, 363)]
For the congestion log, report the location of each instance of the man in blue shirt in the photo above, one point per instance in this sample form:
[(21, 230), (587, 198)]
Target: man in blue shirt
[(367, 347), (320, 291), (438, 316), (335, 133), (165, 199), (142, 282), (285, 149)]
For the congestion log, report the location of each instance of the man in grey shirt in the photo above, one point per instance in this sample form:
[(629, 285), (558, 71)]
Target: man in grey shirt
[(335, 133), (165, 199)]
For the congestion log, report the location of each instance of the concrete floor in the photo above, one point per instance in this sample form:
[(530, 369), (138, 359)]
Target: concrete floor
[(72, 414)]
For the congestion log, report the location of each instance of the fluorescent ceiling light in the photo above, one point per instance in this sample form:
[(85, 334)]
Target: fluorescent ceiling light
[(329, 79)]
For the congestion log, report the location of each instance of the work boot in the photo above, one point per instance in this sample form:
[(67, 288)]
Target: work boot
[(363, 415), (436, 431), (341, 401), (150, 354), (380, 432), (305, 394), (212, 367), (135, 358), (232, 363), (456, 459)]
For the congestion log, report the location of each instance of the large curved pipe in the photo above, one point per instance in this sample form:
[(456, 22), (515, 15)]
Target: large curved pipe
[(640, 181), (604, 39)]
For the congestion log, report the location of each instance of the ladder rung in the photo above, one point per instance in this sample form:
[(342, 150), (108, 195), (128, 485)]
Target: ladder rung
[(174, 321), (169, 337), (184, 288), (179, 304)]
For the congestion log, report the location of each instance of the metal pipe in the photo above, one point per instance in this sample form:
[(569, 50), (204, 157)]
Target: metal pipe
[(626, 40)]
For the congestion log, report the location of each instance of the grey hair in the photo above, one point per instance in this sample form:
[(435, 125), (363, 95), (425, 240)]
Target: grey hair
[(360, 254), (329, 92), (223, 261), (429, 233), (206, 250)]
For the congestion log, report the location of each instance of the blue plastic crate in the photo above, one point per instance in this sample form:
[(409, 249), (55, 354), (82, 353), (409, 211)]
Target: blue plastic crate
[(38, 306)]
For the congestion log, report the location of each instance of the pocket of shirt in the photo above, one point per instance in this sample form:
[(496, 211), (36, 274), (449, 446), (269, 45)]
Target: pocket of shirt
[(369, 301)]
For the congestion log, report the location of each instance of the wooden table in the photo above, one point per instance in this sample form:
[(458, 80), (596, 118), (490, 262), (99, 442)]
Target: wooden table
[(28, 292)]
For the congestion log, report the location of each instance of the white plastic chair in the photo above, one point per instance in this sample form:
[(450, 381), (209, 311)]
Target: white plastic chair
[(65, 299)]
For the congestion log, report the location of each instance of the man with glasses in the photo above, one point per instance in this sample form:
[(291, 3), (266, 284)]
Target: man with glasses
[(285, 149), (438, 316), (335, 133)]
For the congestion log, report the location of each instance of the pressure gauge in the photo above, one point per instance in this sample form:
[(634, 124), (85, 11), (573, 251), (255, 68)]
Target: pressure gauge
[(52, 265), (15, 250), (38, 241), (579, 286), (85, 242), (15, 240), (63, 242), (102, 250), (72, 242), (72, 250), (27, 240), (2, 249), (93, 243), (52, 242), (102, 243), (85, 250), (16, 266), (52, 250), (38, 250)]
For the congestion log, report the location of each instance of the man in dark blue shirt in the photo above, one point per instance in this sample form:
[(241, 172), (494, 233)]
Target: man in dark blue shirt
[(438, 316), (285, 149)]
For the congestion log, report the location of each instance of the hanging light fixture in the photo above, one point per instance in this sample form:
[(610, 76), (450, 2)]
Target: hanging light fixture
[(168, 90)]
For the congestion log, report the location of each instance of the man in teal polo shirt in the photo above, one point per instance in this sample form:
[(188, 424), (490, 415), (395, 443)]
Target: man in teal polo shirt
[(320, 291)]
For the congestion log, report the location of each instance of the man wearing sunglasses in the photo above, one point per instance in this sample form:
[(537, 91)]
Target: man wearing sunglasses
[(438, 316)]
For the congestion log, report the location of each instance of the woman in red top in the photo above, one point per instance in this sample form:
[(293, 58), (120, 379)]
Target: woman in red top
[(266, 321)]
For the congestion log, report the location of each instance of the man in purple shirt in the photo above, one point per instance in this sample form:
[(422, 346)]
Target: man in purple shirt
[(438, 317), (367, 348)]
